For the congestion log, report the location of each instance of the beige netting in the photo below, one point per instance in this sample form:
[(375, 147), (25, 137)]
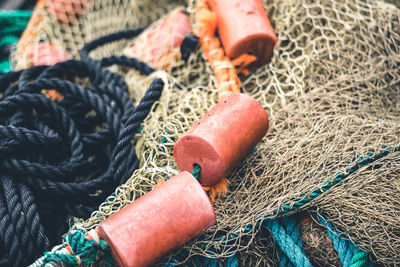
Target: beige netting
[(317, 244), (332, 92)]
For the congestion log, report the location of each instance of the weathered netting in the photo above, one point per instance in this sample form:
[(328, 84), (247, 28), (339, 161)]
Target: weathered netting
[(332, 92)]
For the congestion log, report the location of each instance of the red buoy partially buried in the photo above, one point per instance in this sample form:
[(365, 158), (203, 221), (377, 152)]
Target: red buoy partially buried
[(222, 138), (158, 222), (244, 27), (159, 47)]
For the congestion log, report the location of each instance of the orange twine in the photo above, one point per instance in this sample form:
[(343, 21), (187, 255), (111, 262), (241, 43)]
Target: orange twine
[(160, 181), (225, 73), (217, 190), (226, 76)]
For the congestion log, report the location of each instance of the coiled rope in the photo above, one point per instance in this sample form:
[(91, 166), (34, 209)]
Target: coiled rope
[(63, 158)]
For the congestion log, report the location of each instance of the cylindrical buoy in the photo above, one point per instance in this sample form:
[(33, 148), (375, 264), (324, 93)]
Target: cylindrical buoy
[(158, 222), (159, 46), (244, 27), (222, 137)]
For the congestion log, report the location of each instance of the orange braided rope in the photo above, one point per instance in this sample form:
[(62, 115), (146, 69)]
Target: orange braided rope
[(225, 73)]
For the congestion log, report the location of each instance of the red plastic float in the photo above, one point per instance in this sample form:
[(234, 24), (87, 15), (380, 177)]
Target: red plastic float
[(222, 137), (179, 209), (158, 222), (157, 45), (244, 27)]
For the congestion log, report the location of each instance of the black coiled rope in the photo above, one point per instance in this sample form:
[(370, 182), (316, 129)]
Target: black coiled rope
[(63, 158)]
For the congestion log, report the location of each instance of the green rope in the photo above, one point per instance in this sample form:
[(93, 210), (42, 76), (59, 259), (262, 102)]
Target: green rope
[(350, 255), (359, 259), (196, 171), (8, 40), (85, 250), (5, 65), (12, 24), (12, 15), (287, 236)]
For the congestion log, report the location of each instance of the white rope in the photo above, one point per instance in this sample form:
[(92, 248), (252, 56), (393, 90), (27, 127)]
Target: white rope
[(60, 249)]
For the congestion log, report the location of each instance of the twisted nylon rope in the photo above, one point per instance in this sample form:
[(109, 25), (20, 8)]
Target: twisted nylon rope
[(287, 236), (349, 254), (62, 158), (85, 250)]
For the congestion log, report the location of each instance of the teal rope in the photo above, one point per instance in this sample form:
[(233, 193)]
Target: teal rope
[(349, 254), (283, 259), (292, 229), (287, 236), (5, 65), (360, 259), (196, 171), (81, 246), (12, 24), (8, 40), (232, 261), (10, 16)]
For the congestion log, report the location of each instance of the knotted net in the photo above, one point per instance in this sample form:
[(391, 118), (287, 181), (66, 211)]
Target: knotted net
[(332, 93)]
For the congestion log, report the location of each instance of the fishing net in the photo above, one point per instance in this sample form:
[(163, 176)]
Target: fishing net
[(332, 93), (317, 244)]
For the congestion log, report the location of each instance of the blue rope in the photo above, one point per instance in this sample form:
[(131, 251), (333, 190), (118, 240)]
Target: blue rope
[(291, 228), (287, 236), (232, 261), (283, 259), (344, 247), (290, 251)]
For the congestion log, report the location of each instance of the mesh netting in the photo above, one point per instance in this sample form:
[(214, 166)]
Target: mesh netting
[(317, 244), (332, 92)]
